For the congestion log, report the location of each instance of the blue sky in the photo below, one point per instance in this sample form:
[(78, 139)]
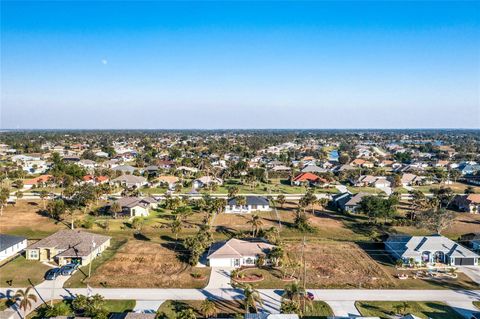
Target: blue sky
[(117, 64)]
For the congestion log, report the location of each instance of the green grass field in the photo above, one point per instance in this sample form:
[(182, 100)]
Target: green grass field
[(387, 309), (22, 272)]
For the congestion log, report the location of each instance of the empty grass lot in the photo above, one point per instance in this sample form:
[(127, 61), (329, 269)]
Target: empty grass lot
[(386, 309), (144, 264)]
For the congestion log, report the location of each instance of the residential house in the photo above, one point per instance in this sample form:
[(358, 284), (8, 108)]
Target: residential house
[(124, 169), (468, 168), (39, 181), (237, 253), (253, 203), (430, 250), (168, 180), (11, 245), (206, 181), (101, 154), (281, 168), (136, 206), (411, 179), (313, 169), (68, 246), (348, 202), (87, 164), (471, 240), (95, 180), (371, 181), (309, 178), (165, 164), (130, 181), (467, 203)]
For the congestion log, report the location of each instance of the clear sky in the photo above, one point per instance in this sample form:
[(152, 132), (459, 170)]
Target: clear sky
[(117, 64)]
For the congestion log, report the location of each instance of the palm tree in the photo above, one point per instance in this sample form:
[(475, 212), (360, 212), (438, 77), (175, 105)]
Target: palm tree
[(256, 223), (297, 294), (276, 255), (281, 200), (252, 298), (43, 194), (241, 201), (208, 309), (26, 299), (115, 209), (294, 292), (176, 228)]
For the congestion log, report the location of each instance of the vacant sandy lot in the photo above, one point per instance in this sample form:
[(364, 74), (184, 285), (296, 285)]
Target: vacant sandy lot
[(145, 264), (332, 265)]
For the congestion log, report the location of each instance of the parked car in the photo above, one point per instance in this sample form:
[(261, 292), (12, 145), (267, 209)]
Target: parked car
[(52, 274), (68, 269)]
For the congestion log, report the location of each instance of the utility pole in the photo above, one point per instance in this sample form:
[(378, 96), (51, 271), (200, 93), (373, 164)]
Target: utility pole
[(304, 273)]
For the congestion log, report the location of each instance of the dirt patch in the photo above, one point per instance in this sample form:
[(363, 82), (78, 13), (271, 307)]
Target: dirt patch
[(147, 265)]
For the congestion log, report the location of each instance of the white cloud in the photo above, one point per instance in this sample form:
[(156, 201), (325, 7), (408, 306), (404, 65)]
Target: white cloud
[(104, 61)]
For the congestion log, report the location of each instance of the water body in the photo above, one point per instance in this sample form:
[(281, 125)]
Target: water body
[(333, 155)]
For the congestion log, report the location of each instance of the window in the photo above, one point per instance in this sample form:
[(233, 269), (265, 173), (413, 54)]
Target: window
[(254, 206), (34, 254), (249, 261)]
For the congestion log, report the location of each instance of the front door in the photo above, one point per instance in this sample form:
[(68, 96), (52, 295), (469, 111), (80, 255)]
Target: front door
[(236, 262)]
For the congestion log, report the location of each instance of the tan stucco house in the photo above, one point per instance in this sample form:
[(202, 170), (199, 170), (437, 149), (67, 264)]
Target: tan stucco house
[(68, 246)]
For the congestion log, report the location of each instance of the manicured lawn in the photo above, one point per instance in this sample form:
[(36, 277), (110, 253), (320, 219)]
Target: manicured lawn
[(22, 272), (119, 305), (318, 310), (458, 188), (110, 305), (386, 309), (372, 190), (225, 308)]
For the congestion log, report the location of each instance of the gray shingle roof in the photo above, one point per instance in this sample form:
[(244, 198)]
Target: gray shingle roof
[(9, 240), (251, 200), (72, 242), (413, 246)]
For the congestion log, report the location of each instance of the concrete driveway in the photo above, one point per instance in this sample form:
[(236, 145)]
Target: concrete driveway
[(345, 309), (220, 278), (472, 272), (147, 306)]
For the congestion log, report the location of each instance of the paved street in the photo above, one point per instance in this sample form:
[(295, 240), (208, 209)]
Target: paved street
[(341, 299)]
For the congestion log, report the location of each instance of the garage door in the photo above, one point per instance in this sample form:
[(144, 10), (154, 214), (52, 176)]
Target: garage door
[(464, 261)]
